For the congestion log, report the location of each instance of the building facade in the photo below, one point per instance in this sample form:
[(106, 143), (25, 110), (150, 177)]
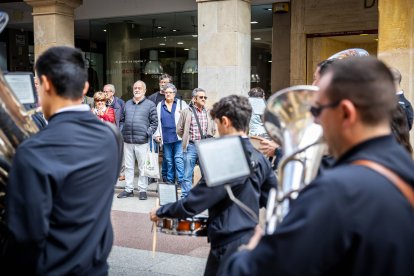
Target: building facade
[(224, 46)]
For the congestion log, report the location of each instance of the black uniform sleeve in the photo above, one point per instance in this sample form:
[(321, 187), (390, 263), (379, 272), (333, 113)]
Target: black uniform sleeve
[(28, 207), (270, 182), (199, 199), (409, 112), (309, 240)]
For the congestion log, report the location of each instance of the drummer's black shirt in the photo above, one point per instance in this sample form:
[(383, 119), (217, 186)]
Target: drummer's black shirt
[(227, 221)]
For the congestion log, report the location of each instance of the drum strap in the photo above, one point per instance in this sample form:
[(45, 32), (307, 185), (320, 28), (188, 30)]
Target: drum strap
[(403, 186)]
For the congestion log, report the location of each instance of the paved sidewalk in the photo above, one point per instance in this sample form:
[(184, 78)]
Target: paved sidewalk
[(132, 250)]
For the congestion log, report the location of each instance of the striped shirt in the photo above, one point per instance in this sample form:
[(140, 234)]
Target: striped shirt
[(202, 118)]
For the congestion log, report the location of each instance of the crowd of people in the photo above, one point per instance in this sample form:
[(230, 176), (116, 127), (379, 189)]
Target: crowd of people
[(355, 218)]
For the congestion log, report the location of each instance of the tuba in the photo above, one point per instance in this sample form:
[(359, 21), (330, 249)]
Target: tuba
[(16, 125), (289, 122)]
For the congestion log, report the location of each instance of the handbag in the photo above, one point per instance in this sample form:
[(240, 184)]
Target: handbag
[(151, 167)]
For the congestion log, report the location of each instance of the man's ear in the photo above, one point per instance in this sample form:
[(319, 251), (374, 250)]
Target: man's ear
[(47, 85), (225, 121), (349, 112), (85, 89)]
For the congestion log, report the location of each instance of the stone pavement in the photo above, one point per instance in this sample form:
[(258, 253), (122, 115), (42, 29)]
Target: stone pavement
[(132, 250)]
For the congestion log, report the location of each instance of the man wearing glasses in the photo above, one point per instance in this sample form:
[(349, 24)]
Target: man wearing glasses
[(192, 129), (112, 101), (356, 218)]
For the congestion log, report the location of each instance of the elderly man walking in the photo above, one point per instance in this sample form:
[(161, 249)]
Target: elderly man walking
[(138, 123)]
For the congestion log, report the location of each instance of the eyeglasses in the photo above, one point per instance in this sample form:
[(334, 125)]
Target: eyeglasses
[(168, 93), (202, 97), (317, 110)]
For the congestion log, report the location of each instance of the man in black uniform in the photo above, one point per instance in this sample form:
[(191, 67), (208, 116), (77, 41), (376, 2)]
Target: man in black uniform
[(402, 100), (228, 225), (351, 220), (60, 187)]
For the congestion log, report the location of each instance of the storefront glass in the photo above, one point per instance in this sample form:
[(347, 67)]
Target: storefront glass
[(124, 50)]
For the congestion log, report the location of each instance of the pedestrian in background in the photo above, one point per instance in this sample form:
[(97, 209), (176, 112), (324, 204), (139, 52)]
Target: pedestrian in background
[(138, 123), (168, 112), (195, 123)]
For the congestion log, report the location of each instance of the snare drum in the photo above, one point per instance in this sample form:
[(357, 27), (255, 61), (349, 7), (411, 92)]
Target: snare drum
[(196, 226)]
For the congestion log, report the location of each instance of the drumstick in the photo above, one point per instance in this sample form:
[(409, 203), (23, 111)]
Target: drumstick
[(154, 234)]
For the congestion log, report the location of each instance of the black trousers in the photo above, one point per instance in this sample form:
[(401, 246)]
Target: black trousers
[(218, 256)]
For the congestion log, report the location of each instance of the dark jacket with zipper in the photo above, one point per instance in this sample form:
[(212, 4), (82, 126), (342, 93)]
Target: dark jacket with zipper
[(139, 121)]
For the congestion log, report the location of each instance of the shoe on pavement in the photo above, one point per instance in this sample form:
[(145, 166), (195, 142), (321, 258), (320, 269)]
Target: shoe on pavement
[(125, 194), (121, 178), (142, 195)]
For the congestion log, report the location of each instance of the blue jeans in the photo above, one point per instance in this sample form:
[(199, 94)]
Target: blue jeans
[(190, 159), (173, 155)]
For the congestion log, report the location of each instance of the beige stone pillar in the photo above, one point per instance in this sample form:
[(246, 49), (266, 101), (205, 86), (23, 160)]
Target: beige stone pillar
[(53, 23), (298, 43), (280, 50), (396, 40), (224, 47)]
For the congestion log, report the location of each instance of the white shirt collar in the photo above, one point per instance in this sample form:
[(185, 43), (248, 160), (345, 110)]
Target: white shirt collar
[(79, 107), (400, 92)]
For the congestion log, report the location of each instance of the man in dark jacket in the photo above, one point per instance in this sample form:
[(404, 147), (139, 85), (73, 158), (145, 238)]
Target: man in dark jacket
[(112, 101), (402, 100), (138, 122), (158, 96), (60, 188), (118, 105), (228, 225), (352, 219)]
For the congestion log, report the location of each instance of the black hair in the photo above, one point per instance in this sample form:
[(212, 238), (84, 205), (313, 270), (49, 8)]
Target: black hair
[(65, 68), (324, 66), (165, 76), (236, 108), (368, 84), (256, 92), (399, 127)]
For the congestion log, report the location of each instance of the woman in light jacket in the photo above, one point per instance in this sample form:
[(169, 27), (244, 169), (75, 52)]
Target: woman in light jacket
[(168, 112)]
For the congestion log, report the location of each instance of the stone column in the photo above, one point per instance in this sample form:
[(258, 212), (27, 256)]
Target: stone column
[(53, 23), (224, 45), (280, 50), (396, 40), (298, 43)]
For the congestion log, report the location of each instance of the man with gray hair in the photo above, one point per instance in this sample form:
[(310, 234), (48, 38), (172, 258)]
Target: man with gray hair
[(138, 123), (112, 101), (118, 105), (195, 123)]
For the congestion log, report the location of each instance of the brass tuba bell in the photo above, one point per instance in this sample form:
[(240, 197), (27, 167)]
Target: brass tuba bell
[(289, 122), (16, 125)]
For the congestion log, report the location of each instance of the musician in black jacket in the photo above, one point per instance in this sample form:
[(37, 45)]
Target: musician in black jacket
[(60, 187), (228, 225), (351, 220)]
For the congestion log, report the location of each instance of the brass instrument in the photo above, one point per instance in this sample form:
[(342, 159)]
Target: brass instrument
[(288, 121), (16, 125)]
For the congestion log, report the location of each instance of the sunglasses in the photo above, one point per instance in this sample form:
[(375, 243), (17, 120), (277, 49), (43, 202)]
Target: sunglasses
[(202, 97), (317, 110)]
